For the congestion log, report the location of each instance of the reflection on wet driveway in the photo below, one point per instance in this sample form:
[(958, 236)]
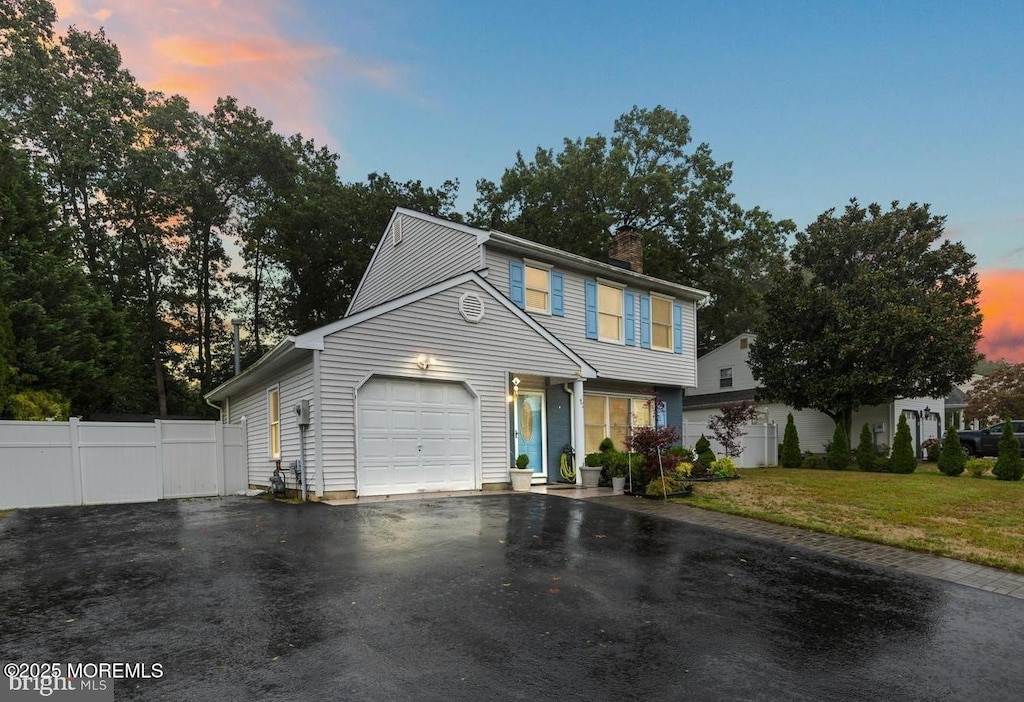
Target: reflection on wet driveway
[(482, 598)]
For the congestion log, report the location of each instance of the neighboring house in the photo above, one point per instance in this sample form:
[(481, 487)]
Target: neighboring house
[(724, 376), (461, 349), (956, 403)]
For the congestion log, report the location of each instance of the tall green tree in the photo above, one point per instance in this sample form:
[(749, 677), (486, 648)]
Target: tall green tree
[(866, 451), (952, 460), (875, 305), (648, 176), (791, 456), (902, 459), (1009, 465)]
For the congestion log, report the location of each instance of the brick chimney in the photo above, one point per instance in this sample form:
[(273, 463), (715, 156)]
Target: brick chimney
[(627, 247)]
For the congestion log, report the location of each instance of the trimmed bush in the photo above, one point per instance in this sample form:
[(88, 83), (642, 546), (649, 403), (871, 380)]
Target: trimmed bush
[(702, 445), (1009, 465), (668, 484), (902, 459), (866, 449), (724, 468), (932, 448), (977, 467), (684, 469), (839, 452), (881, 464), (790, 456), (952, 461), (811, 460)]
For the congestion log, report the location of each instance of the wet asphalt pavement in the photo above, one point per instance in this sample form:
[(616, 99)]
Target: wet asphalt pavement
[(512, 597)]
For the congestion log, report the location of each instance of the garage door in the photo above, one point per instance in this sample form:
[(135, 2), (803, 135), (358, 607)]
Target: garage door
[(415, 436)]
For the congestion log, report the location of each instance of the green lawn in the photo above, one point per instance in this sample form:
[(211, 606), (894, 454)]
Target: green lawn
[(972, 519)]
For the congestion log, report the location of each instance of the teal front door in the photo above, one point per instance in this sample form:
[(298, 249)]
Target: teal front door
[(530, 429)]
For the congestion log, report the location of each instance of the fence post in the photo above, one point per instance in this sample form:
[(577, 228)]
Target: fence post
[(245, 450), (158, 440), (218, 433), (76, 461)]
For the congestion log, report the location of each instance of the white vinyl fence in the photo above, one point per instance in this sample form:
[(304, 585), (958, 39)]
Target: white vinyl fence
[(760, 443), (45, 464)]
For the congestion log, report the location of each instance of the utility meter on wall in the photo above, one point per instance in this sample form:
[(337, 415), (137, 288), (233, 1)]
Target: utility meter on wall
[(302, 413)]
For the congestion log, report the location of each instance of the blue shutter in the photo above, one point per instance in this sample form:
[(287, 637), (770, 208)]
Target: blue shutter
[(590, 288), (645, 321), (629, 319), (677, 328), (557, 294), (516, 284)]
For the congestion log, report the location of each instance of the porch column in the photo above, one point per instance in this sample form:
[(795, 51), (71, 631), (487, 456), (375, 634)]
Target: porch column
[(578, 433)]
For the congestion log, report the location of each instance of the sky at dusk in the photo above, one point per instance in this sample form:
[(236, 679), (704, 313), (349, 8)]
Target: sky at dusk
[(812, 102)]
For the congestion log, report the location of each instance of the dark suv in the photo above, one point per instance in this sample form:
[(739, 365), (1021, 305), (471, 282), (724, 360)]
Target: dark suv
[(985, 442)]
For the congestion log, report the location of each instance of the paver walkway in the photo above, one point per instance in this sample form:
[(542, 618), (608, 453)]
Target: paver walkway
[(969, 574)]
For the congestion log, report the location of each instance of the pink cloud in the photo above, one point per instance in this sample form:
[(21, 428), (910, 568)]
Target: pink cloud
[(205, 49), (1003, 326)]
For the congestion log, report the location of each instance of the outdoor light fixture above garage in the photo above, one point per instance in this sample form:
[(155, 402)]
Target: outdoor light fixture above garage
[(424, 361)]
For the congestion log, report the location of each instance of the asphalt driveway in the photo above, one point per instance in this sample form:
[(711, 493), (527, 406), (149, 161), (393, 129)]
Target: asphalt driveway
[(511, 597)]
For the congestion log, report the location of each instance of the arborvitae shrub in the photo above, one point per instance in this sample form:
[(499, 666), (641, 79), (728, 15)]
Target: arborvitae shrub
[(839, 453), (866, 449), (791, 456), (1009, 465), (952, 460), (902, 459), (702, 445)]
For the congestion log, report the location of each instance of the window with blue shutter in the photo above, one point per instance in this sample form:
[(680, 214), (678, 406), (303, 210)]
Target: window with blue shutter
[(630, 318), (590, 303), (557, 294), (645, 321), (516, 284), (677, 328)]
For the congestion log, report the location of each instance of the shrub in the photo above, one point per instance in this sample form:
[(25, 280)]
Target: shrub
[(701, 469), (977, 467), (952, 460), (790, 455), (902, 459), (881, 464), (866, 449), (839, 452), (685, 454), (669, 484), (522, 461), (811, 460), (649, 442), (932, 447), (606, 445), (593, 460), (724, 468), (702, 445), (684, 469), (1009, 465)]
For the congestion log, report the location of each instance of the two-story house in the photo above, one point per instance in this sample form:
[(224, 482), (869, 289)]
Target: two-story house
[(461, 349)]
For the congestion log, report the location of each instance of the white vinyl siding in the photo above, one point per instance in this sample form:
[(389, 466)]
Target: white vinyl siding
[(661, 323), (612, 361), (538, 289), (480, 356), (732, 354), (429, 253)]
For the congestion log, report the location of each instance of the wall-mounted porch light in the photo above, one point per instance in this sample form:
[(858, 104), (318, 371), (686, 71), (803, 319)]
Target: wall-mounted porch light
[(424, 361)]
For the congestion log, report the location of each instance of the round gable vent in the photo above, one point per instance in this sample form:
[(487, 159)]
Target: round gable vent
[(471, 307)]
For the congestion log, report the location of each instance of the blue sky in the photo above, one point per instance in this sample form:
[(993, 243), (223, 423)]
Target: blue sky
[(812, 102)]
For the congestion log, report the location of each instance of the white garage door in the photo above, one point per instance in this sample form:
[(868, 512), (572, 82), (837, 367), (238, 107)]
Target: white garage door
[(415, 436)]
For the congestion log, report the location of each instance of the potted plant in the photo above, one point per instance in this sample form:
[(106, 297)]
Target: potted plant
[(617, 472), (594, 463), (522, 475)]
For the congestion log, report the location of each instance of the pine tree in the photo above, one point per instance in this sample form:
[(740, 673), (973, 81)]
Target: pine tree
[(791, 456), (952, 461), (1009, 465), (903, 459), (839, 452), (866, 449)]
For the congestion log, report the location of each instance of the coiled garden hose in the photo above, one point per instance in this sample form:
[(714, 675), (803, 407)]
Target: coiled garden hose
[(566, 468)]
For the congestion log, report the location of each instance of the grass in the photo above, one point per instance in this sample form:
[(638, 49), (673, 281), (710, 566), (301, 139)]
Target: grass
[(971, 519)]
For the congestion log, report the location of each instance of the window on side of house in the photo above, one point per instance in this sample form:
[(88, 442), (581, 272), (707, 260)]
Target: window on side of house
[(609, 312), (725, 377), (538, 289), (661, 323), (613, 416), (274, 422)]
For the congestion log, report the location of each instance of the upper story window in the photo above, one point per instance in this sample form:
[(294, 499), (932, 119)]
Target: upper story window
[(609, 312), (725, 377), (661, 323), (535, 287), (538, 289), (274, 422)]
